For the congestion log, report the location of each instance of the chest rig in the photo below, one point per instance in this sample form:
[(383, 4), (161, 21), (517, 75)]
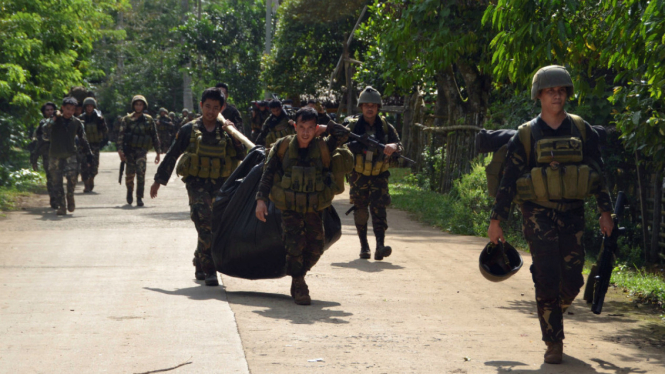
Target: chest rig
[(282, 129), (138, 131), (164, 125), (371, 163), (91, 124), (561, 172), (208, 157)]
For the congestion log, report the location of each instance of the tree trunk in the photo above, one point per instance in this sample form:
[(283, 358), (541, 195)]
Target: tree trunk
[(657, 207), (187, 102), (641, 183)]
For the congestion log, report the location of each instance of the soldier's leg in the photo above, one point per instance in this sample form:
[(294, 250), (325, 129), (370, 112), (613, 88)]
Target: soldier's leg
[(359, 195), (130, 172), (200, 204), (70, 172), (85, 169), (58, 191), (94, 168), (541, 232), (571, 229), (314, 237), (49, 181), (379, 200), (295, 241), (140, 174)]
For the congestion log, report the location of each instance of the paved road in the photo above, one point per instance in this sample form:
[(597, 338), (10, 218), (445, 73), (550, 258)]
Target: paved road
[(110, 288)]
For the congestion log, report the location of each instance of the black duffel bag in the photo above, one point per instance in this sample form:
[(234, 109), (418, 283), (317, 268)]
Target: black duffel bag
[(243, 246)]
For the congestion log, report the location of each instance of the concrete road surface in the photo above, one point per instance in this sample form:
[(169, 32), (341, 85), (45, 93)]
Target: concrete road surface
[(110, 289)]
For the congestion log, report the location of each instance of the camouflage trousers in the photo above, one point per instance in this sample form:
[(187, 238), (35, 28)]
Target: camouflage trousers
[(50, 186), (303, 238), (90, 171), (67, 168), (135, 167), (201, 196), (557, 251), (165, 140), (372, 192)]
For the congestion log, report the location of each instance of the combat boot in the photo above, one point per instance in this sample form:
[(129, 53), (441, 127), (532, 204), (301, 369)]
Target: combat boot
[(300, 291), (211, 278), (381, 250), (554, 353), (54, 203), (86, 184), (130, 196), (198, 270), (92, 183), (61, 210), (364, 244), (139, 201), (71, 206)]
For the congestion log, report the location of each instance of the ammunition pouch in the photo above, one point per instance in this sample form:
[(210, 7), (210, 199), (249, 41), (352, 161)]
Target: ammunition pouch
[(562, 150), (564, 182), (211, 161), (278, 132), (342, 163), (139, 136), (302, 191), (92, 133), (371, 163)]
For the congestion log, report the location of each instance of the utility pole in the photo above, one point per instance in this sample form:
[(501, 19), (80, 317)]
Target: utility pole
[(187, 102), (271, 9)]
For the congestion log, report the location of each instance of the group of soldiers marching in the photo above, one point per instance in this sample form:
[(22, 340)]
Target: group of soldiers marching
[(204, 151)]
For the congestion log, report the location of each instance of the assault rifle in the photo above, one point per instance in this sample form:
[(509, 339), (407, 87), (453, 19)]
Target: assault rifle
[(599, 277), (122, 171), (373, 144)]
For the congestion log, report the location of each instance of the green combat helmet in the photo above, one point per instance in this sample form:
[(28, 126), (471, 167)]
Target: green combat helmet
[(370, 96), (90, 101), (551, 76), (140, 98), (163, 110), (171, 114), (499, 262)]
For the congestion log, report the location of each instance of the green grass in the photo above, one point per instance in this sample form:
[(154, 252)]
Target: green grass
[(24, 183), (645, 287)]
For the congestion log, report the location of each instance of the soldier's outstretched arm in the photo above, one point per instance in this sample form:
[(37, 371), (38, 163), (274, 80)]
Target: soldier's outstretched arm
[(179, 146)]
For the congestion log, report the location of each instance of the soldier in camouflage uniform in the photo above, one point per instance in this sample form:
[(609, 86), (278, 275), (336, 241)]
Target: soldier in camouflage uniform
[(369, 179), (230, 112), (62, 131), (217, 155), (302, 155), (41, 149), (323, 118), (554, 147), (165, 130), (95, 130), (136, 134), (259, 116), (277, 126), (182, 120)]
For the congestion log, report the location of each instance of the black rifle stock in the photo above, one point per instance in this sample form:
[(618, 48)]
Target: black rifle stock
[(373, 144), (599, 278), (122, 171)]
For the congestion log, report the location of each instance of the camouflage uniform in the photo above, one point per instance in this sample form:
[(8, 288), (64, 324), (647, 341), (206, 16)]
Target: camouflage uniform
[(136, 149), (369, 191), (554, 235), (233, 114), (63, 157), (201, 191), (274, 128), (258, 119), (88, 172), (166, 132), (41, 149)]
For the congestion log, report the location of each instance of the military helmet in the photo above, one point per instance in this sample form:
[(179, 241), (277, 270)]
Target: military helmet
[(140, 98), (171, 114), (90, 101), (185, 110), (369, 95), (551, 76), (163, 110), (499, 262)]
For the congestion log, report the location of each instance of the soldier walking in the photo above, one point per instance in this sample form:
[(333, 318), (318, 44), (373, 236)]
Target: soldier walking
[(41, 149), (230, 112), (62, 131), (323, 117), (277, 126), (210, 156), (95, 131), (552, 164), (369, 178), (165, 130), (294, 180), (136, 134), (259, 116)]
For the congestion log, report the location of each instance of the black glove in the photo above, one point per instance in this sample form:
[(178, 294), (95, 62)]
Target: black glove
[(338, 131)]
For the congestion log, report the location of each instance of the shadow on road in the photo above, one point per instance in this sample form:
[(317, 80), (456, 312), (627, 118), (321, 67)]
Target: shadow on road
[(47, 213), (170, 216), (570, 365), (279, 306), (200, 292), (580, 311), (367, 266)]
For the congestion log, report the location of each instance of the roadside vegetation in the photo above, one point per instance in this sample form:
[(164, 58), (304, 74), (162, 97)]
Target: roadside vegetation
[(19, 182)]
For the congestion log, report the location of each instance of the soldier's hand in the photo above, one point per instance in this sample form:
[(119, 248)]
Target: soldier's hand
[(157, 158), (153, 190), (261, 210), (606, 223), (390, 149), (122, 156), (495, 232), (292, 122)]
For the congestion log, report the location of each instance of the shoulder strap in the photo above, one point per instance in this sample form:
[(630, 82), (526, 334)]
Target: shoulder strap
[(579, 123), (282, 147), (325, 152), (524, 133)]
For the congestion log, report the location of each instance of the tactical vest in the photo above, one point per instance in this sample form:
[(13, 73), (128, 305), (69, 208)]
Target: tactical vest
[(92, 132), (138, 131), (282, 129), (205, 160), (561, 171), (164, 125), (303, 188), (371, 163), (63, 137)]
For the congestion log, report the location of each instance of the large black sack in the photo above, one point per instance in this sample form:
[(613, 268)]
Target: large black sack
[(243, 246)]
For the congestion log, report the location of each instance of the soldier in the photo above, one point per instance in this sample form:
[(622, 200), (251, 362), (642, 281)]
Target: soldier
[(259, 116), (278, 125), (554, 149), (165, 130), (210, 157), (369, 178), (302, 155), (95, 131), (183, 120), (137, 132), (113, 131), (231, 112), (323, 118), (62, 131), (191, 116), (172, 117), (41, 149)]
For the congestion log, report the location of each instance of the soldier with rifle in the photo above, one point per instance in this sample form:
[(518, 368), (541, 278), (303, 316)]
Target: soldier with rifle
[(552, 164), (40, 149)]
